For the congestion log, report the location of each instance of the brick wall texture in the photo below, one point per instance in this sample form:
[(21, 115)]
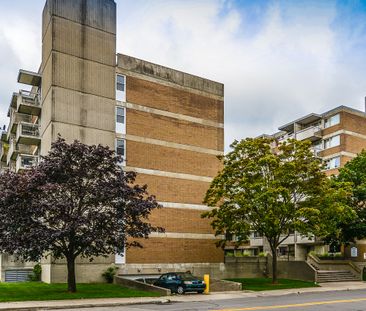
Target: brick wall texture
[(176, 160), (162, 250)]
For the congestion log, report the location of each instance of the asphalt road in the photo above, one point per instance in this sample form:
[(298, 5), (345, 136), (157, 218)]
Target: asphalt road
[(354, 300)]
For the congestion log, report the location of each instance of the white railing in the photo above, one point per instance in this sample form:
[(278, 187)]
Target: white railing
[(312, 131)]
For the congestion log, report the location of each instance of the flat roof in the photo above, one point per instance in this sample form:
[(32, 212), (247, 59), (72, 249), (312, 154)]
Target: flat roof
[(310, 118), (143, 67)]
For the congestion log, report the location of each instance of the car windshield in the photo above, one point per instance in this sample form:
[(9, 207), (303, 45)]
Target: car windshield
[(186, 276)]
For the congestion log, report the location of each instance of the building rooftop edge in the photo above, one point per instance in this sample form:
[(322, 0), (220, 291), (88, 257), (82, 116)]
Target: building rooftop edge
[(168, 74), (313, 116)]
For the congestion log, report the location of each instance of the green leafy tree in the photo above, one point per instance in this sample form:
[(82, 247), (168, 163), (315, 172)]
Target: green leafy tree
[(354, 173), (273, 191)]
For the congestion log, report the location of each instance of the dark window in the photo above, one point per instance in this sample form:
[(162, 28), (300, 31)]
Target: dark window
[(120, 115), (120, 147), (120, 83)]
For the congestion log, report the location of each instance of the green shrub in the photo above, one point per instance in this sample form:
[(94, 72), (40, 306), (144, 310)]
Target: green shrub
[(229, 254), (36, 274), (110, 273), (262, 254)]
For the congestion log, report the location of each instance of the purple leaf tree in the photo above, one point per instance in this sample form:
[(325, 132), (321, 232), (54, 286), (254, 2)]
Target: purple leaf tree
[(78, 202)]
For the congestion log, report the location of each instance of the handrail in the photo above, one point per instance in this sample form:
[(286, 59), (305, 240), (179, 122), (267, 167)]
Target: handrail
[(318, 262)]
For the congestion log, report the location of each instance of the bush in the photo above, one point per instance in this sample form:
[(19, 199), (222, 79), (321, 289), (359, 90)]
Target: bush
[(229, 254), (262, 254), (36, 274), (110, 273)]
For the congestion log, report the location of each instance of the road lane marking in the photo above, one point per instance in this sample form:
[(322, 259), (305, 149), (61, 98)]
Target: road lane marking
[(305, 304)]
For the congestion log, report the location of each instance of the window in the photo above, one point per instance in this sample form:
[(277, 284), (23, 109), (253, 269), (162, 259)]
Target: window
[(333, 163), (120, 83), (121, 88), (332, 142), (333, 120), (120, 120), (120, 148)]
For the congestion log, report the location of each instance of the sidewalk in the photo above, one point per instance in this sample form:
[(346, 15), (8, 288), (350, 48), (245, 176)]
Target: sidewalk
[(89, 303)]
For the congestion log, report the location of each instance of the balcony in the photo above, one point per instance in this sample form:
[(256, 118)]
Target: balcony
[(316, 150), (312, 133), (29, 103), (15, 149), (28, 134), (25, 162), (3, 152), (16, 118), (256, 241), (298, 239)]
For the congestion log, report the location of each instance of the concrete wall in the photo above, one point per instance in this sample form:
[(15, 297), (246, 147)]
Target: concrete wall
[(55, 271), (9, 262), (78, 71), (141, 286)]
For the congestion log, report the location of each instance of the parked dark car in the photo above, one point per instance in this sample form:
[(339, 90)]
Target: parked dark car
[(181, 283)]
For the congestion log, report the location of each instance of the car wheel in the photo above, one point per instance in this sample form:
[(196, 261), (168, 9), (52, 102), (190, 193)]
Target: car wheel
[(200, 292), (180, 290)]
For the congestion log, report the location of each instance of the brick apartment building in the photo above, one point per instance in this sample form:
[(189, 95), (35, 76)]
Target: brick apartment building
[(337, 136), (167, 124)]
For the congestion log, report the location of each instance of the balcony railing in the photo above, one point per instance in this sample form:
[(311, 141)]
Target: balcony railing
[(15, 149), (29, 102), (25, 162), (28, 133), (312, 133), (17, 117)]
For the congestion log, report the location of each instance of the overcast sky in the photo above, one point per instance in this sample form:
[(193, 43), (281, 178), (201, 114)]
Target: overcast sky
[(278, 60)]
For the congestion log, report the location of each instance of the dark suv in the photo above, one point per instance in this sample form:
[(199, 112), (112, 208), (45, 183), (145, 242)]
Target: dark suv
[(180, 283)]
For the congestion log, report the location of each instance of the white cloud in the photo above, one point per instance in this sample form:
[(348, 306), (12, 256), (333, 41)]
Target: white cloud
[(290, 62)]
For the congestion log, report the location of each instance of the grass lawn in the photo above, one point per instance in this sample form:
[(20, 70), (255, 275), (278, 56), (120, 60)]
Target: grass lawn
[(41, 291), (259, 284)]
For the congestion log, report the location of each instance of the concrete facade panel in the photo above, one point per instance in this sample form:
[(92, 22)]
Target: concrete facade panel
[(47, 138), (89, 136), (167, 129), (83, 109), (47, 77), (100, 14), (180, 220), (174, 190), (83, 75), (83, 41), (167, 98), (158, 250), (170, 159), (166, 74)]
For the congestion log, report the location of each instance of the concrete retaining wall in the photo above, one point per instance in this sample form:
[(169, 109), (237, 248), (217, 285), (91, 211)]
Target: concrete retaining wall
[(141, 286), (224, 286), (296, 270)]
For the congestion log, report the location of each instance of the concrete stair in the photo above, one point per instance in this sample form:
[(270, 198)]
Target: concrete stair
[(323, 276)]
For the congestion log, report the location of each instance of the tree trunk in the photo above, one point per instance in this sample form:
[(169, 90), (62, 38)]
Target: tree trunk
[(274, 267), (71, 280)]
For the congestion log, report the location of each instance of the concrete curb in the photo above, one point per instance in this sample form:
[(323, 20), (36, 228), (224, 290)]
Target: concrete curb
[(79, 303), (71, 305)]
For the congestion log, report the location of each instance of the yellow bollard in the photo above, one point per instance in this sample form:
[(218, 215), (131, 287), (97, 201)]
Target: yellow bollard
[(206, 278)]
